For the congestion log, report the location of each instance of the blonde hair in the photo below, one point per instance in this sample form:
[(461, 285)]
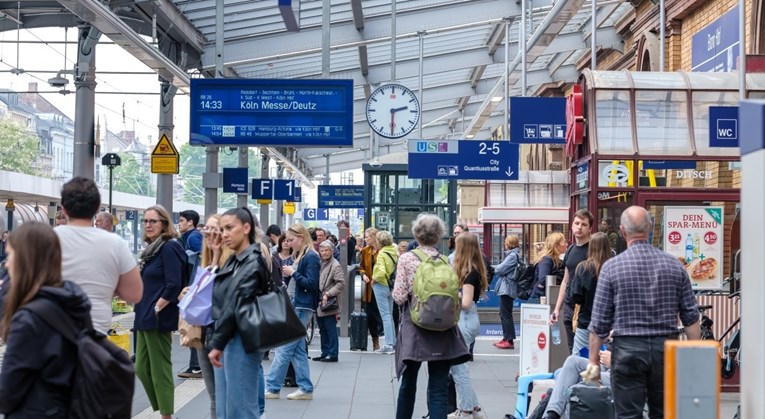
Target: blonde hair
[(467, 257), (511, 242), (551, 248), (207, 253), (300, 230)]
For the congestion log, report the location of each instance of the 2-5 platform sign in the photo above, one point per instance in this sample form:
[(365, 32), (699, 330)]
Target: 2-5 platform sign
[(463, 159)]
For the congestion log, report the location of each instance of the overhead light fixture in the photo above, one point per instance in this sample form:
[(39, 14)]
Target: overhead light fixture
[(496, 99), (469, 136), (58, 81)]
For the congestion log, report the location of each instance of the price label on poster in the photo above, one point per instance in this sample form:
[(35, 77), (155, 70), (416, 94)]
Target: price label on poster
[(694, 235)]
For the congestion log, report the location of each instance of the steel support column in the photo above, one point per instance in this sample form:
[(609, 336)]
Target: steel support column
[(264, 175), (85, 102), (165, 182)]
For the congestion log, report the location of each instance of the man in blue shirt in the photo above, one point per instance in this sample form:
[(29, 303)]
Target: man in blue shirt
[(192, 241)]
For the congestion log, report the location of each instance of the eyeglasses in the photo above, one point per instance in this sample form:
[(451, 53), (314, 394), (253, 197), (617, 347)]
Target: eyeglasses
[(152, 222)]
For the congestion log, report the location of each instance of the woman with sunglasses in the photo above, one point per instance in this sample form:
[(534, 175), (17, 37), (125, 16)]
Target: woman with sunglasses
[(156, 315)]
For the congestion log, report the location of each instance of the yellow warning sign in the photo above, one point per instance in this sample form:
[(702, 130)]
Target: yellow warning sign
[(9, 205), (289, 207), (263, 201), (164, 157), (164, 147)]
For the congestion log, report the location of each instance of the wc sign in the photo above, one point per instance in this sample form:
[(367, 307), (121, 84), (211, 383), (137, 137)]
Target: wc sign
[(723, 126)]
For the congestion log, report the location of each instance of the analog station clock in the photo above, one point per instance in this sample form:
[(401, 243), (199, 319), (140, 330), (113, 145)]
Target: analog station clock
[(393, 111)]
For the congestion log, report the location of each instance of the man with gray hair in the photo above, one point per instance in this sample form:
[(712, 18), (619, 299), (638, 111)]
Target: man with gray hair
[(105, 221), (640, 295)]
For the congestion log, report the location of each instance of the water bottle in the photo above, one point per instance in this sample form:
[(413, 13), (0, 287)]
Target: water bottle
[(696, 246), (555, 334), (689, 248)]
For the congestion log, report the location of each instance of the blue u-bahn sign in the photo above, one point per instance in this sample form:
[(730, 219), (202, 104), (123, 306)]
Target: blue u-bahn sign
[(237, 112), (463, 159)]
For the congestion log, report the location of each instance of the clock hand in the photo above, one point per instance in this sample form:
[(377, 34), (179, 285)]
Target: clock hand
[(399, 109), (392, 123)]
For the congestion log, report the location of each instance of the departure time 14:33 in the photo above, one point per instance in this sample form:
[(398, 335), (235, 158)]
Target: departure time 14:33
[(211, 104)]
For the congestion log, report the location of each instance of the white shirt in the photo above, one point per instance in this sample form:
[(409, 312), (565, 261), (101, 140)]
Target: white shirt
[(94, 259)]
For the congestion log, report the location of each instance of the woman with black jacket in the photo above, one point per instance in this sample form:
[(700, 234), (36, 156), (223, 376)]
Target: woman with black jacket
[(583, 288), (39, 362), (237, 372)]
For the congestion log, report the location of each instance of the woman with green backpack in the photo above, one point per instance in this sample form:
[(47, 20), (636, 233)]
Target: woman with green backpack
[(427, 334)]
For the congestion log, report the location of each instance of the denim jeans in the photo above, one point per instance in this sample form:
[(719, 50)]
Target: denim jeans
[(328, 332), (208, 374), (438, 397), (466, 397), (385, 304), (567, 376), (296, 353), (506, 317), (237, 382), (637, 368), (581, 340)]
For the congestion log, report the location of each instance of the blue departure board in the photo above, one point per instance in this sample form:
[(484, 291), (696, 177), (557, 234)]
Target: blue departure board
[(259, 112)]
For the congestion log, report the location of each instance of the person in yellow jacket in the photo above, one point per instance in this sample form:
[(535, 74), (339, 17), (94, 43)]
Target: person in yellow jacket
[(368, 301), (382, 278)]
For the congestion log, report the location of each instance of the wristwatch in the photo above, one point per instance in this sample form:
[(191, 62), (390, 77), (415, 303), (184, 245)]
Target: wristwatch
[(157, 309)]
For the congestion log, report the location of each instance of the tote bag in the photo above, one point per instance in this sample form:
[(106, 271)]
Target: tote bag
[(196, 305), (268, 321)]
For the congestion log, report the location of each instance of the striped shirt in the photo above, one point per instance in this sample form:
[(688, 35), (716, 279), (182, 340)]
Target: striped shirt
[(641, 292)]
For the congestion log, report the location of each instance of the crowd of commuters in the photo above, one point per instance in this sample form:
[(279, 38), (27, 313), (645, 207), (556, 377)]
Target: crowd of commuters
[(601, 295)]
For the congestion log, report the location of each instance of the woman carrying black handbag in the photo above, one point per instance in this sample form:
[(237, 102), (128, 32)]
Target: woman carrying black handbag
[(237, 372)]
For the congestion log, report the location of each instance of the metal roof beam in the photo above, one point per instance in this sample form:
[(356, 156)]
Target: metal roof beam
[(408, 23), (358, 14), (363, 61), (380, 72), (102, 18)]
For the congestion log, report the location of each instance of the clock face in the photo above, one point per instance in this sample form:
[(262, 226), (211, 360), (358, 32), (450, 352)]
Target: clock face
[(393, 111)]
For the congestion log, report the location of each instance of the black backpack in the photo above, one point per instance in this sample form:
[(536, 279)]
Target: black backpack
[(104, 378), (525, 273)]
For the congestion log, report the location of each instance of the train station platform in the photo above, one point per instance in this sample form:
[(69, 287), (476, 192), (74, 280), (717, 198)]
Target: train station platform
[(361, 385)]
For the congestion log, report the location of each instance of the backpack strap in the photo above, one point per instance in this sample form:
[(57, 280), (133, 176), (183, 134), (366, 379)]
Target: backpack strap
[(55, 317), (420, 254)]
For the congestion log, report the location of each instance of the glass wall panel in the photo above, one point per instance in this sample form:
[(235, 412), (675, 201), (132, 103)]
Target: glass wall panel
[(612, 119), (383, 188), (384, 218), (701, 103), (662, 123), (656, 80)]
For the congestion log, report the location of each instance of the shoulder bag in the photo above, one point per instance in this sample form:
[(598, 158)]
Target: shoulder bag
[(267, 320)]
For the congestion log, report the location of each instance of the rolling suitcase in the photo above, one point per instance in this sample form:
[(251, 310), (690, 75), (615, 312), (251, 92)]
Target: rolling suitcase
[(587, 401), (359, 331)]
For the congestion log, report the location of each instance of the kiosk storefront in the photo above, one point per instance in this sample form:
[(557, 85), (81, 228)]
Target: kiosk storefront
[(667, 142)]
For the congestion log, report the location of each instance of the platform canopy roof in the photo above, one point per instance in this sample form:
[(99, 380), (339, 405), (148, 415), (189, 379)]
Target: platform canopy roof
[(463, 52)]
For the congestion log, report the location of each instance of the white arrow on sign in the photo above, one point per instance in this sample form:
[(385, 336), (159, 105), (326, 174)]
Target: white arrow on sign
[(509, 172)]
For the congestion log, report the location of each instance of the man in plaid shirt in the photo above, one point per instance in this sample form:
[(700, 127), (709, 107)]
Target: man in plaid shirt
[(640, 294)]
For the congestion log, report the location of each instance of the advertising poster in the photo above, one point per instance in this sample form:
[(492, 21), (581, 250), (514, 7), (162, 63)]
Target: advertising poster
[(695, 236), (535, 339)]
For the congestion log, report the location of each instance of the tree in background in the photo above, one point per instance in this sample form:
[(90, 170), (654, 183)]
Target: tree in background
[(20, 148), (131, 178), (192, 163)]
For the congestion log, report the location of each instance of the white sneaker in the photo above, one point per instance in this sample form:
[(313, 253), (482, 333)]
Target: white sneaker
[(386, 350), (300, 395), (477, 413), (272, 396), (459, 414)]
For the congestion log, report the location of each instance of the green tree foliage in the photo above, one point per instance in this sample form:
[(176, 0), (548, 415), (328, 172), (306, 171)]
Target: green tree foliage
[(130, 177), (193, 162), (20, 148)]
